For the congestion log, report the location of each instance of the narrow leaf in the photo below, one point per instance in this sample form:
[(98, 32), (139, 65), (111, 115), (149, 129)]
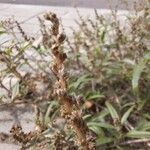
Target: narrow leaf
[(104, 140), (15, 91), (112, 111), (126, 115), (95, 96), (2, 30), (101, 124), (138, 69), (138, 134)]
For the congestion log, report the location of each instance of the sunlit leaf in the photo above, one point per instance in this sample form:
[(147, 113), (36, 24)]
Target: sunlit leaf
[(103, 36), (86, 117), (2, 30), (112, 111), (138, 134), (50, 108), (15, 91), (138, 69), (100, 124), (104, 140), (96, 129), (143, 125), (81, 80), (101, 115), (95, 97), (126, 115)]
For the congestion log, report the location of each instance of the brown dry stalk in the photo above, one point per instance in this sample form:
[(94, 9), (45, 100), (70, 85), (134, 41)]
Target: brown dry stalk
[(70, 108), (20, 136)]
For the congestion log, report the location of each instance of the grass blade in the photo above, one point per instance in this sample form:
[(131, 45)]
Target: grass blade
[(138, 134), (112, 111), (126, 115)]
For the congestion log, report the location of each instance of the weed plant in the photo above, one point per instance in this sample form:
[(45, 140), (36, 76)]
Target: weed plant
[(95, 96)]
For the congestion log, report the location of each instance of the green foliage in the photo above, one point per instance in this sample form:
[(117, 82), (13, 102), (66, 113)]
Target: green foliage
[(117, 96), (109, 67), (137, 71), (2, 30), (138, 134), (15, 91), (126, 115)]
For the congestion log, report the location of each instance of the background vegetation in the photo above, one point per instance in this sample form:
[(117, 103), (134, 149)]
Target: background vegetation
[(108, 61)]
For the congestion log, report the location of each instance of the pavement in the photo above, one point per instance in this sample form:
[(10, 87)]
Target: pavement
[(100, 4), (21, 114), (27, 16)]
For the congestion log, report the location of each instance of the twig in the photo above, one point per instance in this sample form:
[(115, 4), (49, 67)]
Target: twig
[(136, 141)]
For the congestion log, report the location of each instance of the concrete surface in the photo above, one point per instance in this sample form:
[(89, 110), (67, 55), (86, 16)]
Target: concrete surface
[(21, 114), (5, 146), (27, 15), (73, 3)]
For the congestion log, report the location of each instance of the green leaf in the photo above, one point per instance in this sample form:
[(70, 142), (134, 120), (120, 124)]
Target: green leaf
[(50, 108), (95, 96), (104, 140), (15, 91), (126, 115), (138, 69), (138, 134), (146, 126), (100, 116), (2, 30), (48, 133), (103, 36), (96, 129), (25, 45), (86, 117), (81, 80), (143, 125), (100, 124), (128, 61), (112, 111)]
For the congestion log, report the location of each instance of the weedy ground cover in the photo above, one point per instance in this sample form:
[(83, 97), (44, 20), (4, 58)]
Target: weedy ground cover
[(90, 91)]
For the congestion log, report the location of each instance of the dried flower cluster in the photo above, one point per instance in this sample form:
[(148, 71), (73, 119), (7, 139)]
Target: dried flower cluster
[(70, 108), (20, 136)]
